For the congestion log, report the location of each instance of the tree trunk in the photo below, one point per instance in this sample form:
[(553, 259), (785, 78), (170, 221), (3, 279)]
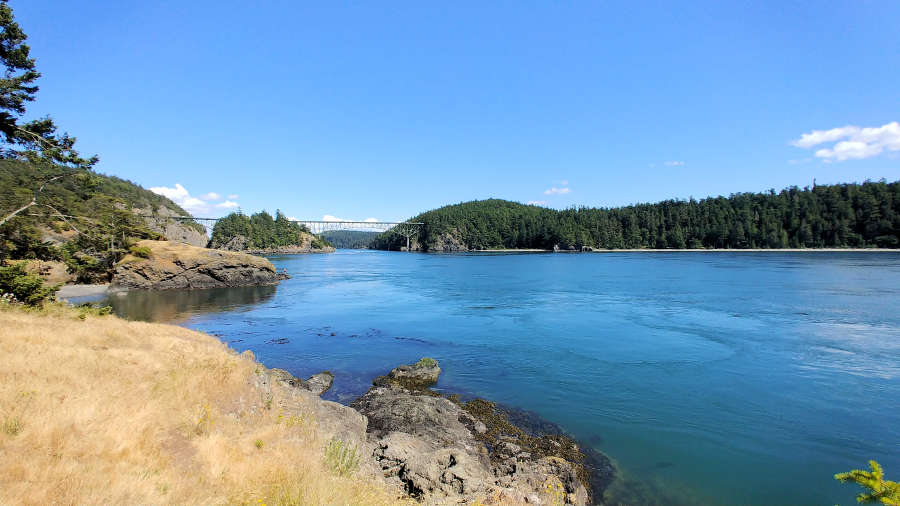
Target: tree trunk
[(17, 211)]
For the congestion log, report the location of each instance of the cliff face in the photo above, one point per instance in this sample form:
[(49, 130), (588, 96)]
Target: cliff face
[(306, 244), (171, 265), (161, 222), (447, 242)]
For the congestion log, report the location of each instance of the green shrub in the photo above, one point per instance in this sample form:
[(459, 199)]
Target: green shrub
[(85, 267), (427, 362), (27, 288), (140, 251), (342, 459), (88, 309), (320, 243)]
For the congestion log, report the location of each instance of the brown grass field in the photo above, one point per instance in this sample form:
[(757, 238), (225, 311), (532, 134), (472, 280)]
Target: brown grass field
[(104, 411)]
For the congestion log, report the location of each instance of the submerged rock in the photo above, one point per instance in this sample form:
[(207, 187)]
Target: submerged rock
[(317, 383), (439, 450)]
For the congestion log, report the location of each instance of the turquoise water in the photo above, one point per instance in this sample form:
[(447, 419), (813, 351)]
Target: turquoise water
[(709, 378)]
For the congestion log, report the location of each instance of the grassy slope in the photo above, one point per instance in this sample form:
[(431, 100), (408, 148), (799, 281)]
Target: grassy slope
[(105, 411)]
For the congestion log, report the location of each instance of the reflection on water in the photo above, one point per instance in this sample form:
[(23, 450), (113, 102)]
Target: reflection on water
[(175, 306)]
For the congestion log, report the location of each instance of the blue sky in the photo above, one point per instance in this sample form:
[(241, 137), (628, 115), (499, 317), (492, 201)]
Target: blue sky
[(385, 109)]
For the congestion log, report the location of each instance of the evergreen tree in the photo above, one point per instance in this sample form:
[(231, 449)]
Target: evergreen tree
[(261, 231), (36, 141), (878, 489)]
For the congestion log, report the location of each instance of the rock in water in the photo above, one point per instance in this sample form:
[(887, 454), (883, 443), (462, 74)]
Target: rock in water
[(442, 451), (423, 373), (317, 383), (172, 265)]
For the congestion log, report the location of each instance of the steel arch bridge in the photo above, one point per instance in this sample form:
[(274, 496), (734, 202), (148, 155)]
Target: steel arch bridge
[(407, 229)]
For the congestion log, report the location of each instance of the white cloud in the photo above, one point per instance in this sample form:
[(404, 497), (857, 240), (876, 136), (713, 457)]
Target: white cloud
[(233, 196), (537, 202), (180, 196), (673, 163), (195, 205), (557, 191), (819, 136), (855, 143), (564, 182)]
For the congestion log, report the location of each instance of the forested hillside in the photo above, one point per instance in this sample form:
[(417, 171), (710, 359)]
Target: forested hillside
[(349, 239), (261, 231), (835, 216), (85, 219)]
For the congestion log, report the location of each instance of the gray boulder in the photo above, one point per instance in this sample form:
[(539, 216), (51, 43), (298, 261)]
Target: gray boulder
[(423, 373), (317, 383)]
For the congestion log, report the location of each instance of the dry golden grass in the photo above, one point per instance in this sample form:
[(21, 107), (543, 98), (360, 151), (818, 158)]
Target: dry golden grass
[(104, 411), (166, 253)]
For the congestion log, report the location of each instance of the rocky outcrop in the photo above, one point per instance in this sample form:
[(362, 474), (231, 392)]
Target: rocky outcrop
[(422, 374), (440, 450), (161, 221), (172, 265), (448, 242)]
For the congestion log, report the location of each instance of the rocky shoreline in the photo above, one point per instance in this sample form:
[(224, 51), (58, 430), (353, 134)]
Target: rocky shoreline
[(441, 450), (289, 250)]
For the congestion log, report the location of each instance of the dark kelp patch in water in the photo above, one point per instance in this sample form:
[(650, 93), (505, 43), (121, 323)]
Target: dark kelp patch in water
[(537, 438)]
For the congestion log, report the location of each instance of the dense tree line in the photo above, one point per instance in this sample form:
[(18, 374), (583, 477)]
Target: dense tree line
[(833, 216), (261, 231), (349, 239)]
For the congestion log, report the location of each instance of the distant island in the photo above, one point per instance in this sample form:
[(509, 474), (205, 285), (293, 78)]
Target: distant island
[(262, 234), (349, 239), (865, 215)]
